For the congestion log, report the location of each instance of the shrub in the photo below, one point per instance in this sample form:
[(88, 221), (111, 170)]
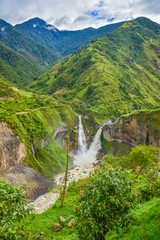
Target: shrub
[(140, 159), (105, 203), (13, 208), (143, 158), (147, 189)]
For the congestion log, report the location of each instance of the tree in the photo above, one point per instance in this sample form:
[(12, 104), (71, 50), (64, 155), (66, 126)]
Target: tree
[(13, 208), (105, 203), (142, 158), (69, 126)]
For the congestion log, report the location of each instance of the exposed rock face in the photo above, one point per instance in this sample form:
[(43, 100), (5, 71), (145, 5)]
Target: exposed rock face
[(12, 151), (12, 168), (23, 175), (133, 130)]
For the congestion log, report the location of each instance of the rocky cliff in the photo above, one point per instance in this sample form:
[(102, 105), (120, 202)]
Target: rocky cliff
[(12, 151), (12, 168), (141, 128), (12, 161)]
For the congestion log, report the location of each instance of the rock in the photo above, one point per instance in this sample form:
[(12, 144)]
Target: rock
[(12, 168), (12, 150), (71, 223), (56, 227), (134, 130), (62, 220)]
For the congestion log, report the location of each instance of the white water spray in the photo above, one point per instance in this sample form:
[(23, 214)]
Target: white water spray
[(82, 143), (85, 155)]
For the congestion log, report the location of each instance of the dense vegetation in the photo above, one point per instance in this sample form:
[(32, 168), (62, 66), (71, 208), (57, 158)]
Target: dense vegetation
[(34, 119), (15, 68), (112, 75), (39, 46), (38, 54), (13, 208), (111, 198), (64, 42)]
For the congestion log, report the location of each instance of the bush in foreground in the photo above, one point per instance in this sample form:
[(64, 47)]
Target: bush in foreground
[(105, 203), (13, 208)]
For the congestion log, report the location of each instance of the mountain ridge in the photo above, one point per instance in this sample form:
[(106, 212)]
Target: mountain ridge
[(65, 41), (112, 75)]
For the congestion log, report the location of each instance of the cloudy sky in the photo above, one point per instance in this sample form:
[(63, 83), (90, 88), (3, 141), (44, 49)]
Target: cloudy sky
[(78, 14)]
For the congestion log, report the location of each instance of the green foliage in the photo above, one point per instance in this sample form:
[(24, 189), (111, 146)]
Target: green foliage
[(143, 162), (38, 55), (64, 42), (140, 159), (147, 189), (34, 224), (35, 118), (146, 225), (52, 159), (143, 157), (105, 203), (112, 75), (16, 68), (13, 208)]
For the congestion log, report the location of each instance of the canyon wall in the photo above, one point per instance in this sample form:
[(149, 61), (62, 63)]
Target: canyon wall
[(137, 129), (12, 161)]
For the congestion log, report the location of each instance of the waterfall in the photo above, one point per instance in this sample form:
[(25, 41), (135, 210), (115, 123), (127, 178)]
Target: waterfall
[(82, 143), (86, 155), (32, 148), (96, 144)]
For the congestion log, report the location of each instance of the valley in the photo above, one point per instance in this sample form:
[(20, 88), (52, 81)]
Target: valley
[(90, 97)]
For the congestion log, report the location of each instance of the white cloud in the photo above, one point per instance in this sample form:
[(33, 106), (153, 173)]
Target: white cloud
[(72, 14)]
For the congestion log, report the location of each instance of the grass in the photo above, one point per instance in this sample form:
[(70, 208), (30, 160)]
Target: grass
[(147, 226), (37, 223)]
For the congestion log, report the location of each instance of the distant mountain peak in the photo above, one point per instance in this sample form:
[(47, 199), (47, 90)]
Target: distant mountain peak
[(38, 22), (4, 23)]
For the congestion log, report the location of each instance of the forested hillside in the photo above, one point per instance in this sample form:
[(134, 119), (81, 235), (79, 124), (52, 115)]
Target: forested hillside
[(65, 42), (114, 74), (15, 68), (39, 55)]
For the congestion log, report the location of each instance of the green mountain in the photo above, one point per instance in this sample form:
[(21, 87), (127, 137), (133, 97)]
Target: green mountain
[(15, 68), (41, 56), (34, 118), (65, 42), (112, 75)]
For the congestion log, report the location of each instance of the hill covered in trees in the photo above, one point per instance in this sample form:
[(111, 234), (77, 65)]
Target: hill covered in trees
[(114, 74)]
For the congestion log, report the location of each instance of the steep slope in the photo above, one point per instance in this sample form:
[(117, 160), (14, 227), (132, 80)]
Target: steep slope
[(30, 121), (139, 127), (64, 41), (39, 31), (16, 68), (112, 75), (38, 54)]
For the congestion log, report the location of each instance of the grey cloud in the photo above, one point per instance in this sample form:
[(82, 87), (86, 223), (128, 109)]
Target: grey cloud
[(82, 18), (70, 14), (62, 22)]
